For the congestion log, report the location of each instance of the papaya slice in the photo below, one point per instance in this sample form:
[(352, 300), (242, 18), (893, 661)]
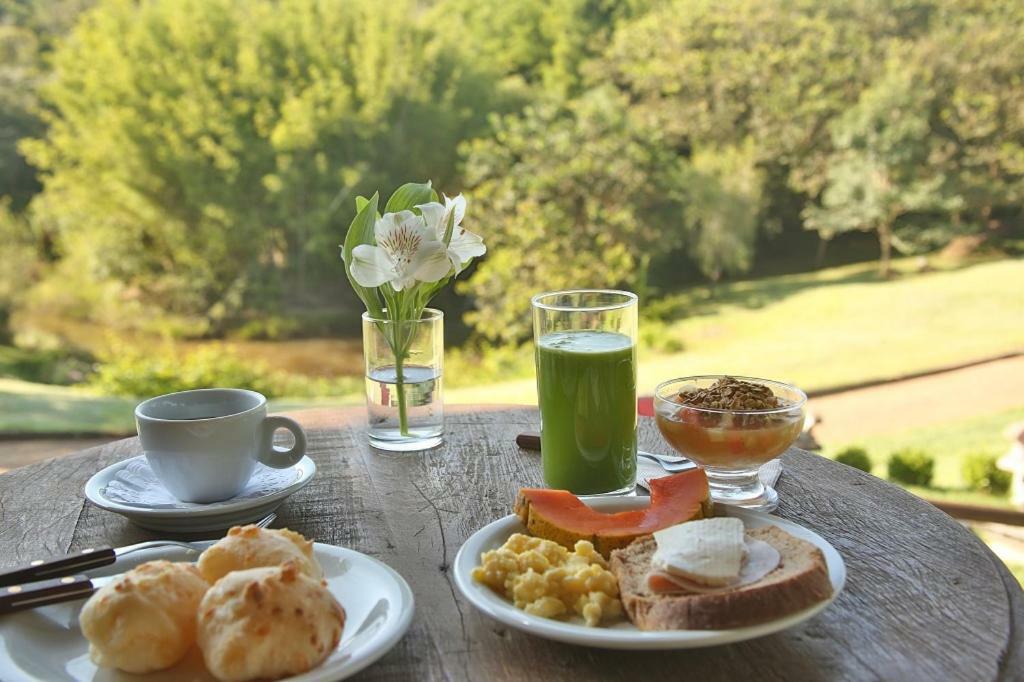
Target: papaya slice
[(560, 516)]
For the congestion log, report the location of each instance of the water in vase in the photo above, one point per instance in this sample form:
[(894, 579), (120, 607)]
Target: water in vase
[(423, 402)]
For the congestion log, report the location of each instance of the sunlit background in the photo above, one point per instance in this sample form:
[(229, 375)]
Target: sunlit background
[(827, 192)]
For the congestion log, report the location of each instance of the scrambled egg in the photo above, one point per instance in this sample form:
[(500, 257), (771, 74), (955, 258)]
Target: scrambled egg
[(545, 579)]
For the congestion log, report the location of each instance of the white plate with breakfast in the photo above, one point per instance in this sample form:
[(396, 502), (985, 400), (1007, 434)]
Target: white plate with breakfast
[(258, 604), (644, 573), (132, 489)]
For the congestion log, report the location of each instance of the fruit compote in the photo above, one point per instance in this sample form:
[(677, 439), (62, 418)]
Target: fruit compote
[(730, 423)]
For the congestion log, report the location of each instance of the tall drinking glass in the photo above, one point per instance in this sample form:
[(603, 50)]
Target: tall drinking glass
[(586, 383)]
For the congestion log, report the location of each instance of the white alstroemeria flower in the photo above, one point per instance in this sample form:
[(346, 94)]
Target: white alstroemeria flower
[(407, 251), (464, 245)]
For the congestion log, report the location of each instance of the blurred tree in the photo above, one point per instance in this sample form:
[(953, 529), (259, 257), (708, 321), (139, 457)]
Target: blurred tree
[(19, 74), (577, 197), (542, 44), (772, 75), (17, 257), (935, 146), (715, 74), (888, 161), (200, 154), (976, 59), (721, 192), (28, 29)]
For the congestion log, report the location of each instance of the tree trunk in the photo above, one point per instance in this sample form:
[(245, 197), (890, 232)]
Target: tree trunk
[(885, 246), (819, 257)]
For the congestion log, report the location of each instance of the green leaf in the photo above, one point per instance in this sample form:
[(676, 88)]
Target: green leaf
[(360, 203), (360, 231), (431, 290), (410, 195)]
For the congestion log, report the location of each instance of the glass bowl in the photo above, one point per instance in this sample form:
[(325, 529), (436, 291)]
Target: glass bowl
[(731, 444)]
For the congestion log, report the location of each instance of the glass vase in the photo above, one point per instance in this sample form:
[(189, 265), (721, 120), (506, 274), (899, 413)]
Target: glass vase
[(404, 375)]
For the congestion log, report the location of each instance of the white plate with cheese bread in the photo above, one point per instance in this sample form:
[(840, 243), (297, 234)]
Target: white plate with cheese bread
[(259, 604), (700, 583)]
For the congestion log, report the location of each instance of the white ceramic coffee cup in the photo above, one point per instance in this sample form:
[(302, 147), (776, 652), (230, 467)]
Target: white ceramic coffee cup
[(204, 444)]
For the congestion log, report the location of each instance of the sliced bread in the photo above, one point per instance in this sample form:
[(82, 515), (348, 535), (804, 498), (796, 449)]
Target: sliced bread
[(800, 580)]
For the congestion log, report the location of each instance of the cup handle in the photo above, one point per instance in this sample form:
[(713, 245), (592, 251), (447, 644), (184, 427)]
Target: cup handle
[(277, 457)]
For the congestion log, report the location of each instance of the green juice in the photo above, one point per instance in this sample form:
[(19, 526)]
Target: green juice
[(586, 384)]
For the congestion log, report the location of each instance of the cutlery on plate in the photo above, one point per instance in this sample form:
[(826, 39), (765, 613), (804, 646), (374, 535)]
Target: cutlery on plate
[(531, 441), (50, 582), (30, 595)]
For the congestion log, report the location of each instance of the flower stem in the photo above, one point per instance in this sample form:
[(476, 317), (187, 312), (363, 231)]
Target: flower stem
[(403, 417)]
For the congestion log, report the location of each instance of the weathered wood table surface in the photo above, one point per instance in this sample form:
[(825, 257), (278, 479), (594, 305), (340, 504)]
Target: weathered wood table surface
[(925, 599)]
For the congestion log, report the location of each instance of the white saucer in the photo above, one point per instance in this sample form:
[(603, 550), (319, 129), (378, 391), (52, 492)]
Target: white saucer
[(130, 488), (46, 644), (624, 635)]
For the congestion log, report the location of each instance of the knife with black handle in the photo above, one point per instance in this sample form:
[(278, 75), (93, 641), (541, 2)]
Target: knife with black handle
[(57, 568), (15, 598)]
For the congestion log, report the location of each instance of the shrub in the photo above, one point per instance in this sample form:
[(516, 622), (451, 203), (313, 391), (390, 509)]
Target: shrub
[(911, 467), (486, 364), (137, 373), (50, 366), (657, 336), (981, 473), (855, 457)]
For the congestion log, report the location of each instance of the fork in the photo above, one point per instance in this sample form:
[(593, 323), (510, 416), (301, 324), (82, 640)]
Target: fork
[(94, 558), (128, 549), (668, 463)]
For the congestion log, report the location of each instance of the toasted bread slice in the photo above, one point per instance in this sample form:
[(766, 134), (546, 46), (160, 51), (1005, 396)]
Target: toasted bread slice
[(800, 580)]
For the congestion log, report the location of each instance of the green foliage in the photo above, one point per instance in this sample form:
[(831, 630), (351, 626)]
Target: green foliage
[(483, 364), (136, 372), (143, 372), (975, 60), (540, 43), (360, 231), (18, 262), (44, 366), (28, 29), (205, 160), (981, 473), (887, 161), (721, 189), (582, 197), (911, 467), (855, 457), (716, 74), (200, 158)]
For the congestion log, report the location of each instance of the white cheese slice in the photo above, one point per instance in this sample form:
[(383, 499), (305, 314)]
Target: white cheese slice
[(709, 551), (760, 560)]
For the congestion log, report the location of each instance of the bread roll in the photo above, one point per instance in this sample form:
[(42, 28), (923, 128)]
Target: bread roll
[(145, 619), (267, 623), (247, 547)]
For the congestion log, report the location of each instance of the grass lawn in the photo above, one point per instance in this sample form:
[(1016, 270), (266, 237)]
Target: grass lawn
[(832, 327), (844, 325), (26, 407)]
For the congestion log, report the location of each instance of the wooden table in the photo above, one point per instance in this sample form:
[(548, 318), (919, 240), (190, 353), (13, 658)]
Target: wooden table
[(925, 599)]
